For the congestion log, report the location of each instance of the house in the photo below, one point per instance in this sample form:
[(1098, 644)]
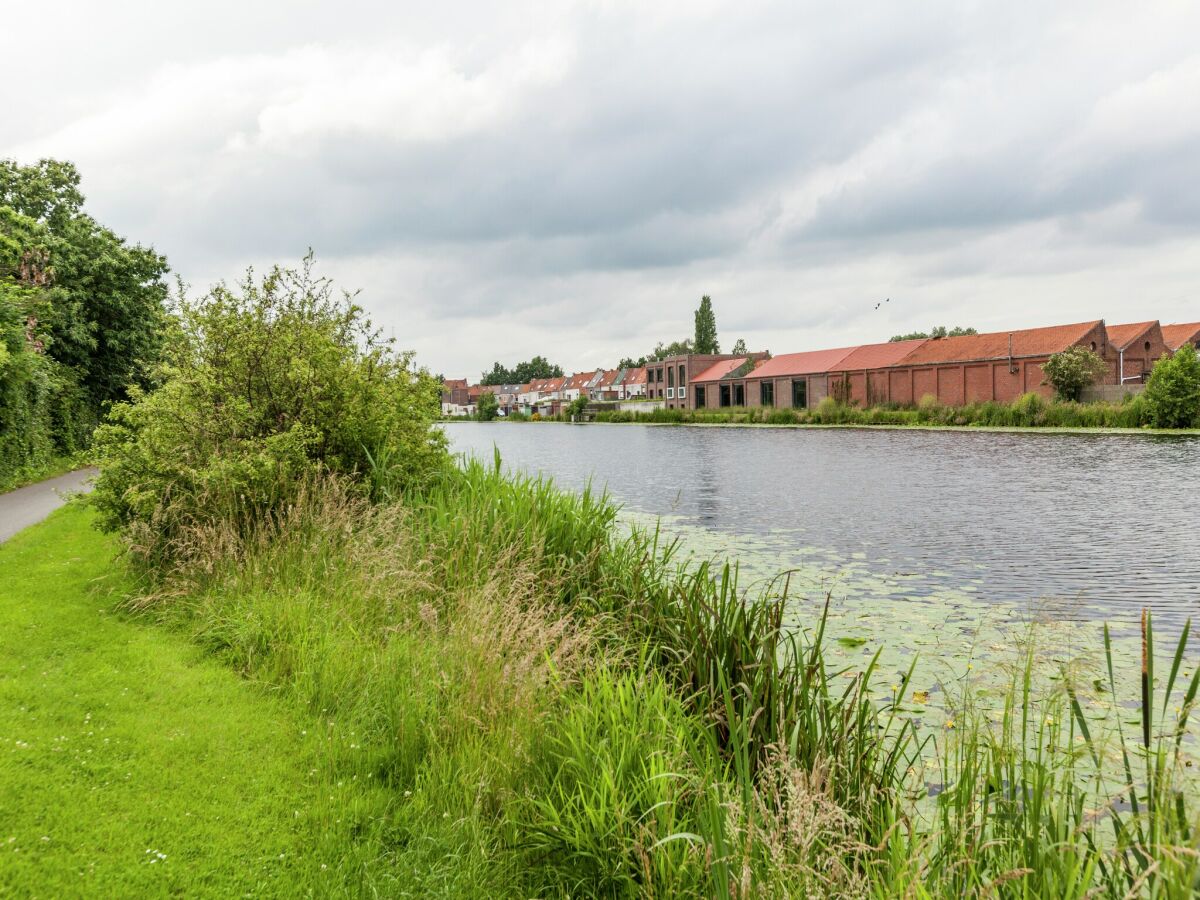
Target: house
[(604, 385), (455, 398), (1133, 349), (578, 384), (1176, 336), (1000, 365), (633, 383), (796, 380), (667, 379)]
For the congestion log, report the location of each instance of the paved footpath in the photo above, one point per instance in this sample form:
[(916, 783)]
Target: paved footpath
[(29, 505)]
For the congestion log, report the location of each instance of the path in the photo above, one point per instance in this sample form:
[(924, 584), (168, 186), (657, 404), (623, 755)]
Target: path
[(29, 505), (131, 763)]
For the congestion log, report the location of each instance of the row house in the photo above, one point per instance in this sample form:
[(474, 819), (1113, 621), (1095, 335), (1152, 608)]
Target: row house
[(668, 379), (998, 366), (1176, 336)]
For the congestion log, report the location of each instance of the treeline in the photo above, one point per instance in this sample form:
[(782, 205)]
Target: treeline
[(82, 315)]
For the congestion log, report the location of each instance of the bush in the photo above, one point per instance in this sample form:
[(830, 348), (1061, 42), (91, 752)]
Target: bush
[(1070, 371), (1172, 395), (263, 388), (488, 407)]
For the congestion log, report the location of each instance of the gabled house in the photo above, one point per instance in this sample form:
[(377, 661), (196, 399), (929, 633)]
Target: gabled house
[(1133, 349), (1175, 336)]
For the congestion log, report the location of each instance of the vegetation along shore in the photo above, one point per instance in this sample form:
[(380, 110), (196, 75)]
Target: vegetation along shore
[(406, 674)]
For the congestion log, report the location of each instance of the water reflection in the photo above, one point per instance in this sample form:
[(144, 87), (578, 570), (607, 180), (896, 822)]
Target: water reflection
[(1102, 524)]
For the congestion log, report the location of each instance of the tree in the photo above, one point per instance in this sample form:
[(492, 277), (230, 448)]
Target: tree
[(105, 299), (577, 406), (705, 340), (1070, 371), (628, 362), (675, 348), (938, 331), (1173, 392), (487, 407), (522, 373), (266, 387), (739, 348)]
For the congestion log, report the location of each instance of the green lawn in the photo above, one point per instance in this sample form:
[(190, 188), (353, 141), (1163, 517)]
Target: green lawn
[(132, 765)]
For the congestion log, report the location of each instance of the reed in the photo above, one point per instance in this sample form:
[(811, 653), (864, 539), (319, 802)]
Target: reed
[(552, 707)]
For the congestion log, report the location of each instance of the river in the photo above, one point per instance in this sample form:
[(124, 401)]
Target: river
[(907, 529)]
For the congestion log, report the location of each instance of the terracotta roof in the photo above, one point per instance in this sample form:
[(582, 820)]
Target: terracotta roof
[(719, 370), (607, 378), (971, 347), (1181, 333), (635, 376), (579, 380), (1121, 336), (876, 356), (452, 383), (811, 362)]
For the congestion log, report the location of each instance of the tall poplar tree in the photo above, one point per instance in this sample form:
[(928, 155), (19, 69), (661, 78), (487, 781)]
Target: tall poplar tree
[(706, 328)]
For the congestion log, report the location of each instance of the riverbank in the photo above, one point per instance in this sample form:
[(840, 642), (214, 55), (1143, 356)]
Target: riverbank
[(554, 708), (134, 763), (971, 429)]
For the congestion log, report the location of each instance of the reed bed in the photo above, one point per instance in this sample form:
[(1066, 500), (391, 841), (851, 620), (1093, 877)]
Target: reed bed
[(550, 707)]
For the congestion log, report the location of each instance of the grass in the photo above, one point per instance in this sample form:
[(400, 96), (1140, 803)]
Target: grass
[(1028, 411), (132, 764), (56, 465), (516, 700)]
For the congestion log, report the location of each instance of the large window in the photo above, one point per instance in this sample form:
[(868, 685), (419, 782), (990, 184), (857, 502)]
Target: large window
[(670, 376), (681, 392), (681, 378), (800, 393), (766, 393), (739, 395), (723, 395), (700, 398)]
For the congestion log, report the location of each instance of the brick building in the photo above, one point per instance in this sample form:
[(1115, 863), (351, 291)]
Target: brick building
[(668, 379), (1133, 349), (1176, 336)]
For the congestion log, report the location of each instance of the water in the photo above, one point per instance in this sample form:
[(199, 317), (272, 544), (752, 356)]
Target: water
[(920, 525)]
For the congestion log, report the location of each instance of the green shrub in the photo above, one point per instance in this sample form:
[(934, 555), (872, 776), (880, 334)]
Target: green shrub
[(263, 388), (1172, 396), (487, 407), (1070, 371)]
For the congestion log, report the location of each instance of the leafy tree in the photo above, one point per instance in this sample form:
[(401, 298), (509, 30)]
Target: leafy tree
[(1070, 371), (938, 331), (1173, 392), (628, 362), (487, 407), (577, 406), (739, 348), (105, 303), (675, 348), (264, 387), (522, 373), (705, 340)]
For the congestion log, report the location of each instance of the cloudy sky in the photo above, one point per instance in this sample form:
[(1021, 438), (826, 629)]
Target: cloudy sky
[(506, 179)]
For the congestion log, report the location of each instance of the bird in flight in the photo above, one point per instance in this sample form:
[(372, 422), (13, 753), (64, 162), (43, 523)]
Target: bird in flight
[(881, 302)]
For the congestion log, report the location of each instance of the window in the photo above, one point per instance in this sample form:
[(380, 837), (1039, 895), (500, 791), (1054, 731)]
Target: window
[(800, 393), (1147, 346), (1093, 346), (681, 392), (671, 393), (700, 398), (739, 395), (681, 378), (723, 396), (766, 393), (670, 376)]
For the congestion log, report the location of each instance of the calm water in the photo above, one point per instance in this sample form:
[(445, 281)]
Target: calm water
[(1096, 525)]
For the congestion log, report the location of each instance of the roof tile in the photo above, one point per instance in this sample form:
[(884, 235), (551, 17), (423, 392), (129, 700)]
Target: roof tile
[(995, 345)]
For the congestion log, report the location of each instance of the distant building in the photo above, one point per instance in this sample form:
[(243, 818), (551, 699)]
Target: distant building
[(1176, 336)]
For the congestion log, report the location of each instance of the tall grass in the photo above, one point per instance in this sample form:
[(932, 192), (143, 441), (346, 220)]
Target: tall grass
[(549, 707), (1028, 411)]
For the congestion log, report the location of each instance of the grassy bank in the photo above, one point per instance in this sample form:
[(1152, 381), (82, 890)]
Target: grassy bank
[(1028, 411), (552, 709), (132, 764)]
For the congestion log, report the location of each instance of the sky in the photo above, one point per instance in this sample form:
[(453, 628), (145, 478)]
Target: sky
[(567, 179)]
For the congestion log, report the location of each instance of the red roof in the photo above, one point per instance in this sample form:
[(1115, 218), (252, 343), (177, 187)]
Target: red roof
[(811, 362), (1121, 336), (719, 370), (635, 376), (606, 379), (971, 347), (579, 380), (876, 356), (1181, 333), (454, 383)]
